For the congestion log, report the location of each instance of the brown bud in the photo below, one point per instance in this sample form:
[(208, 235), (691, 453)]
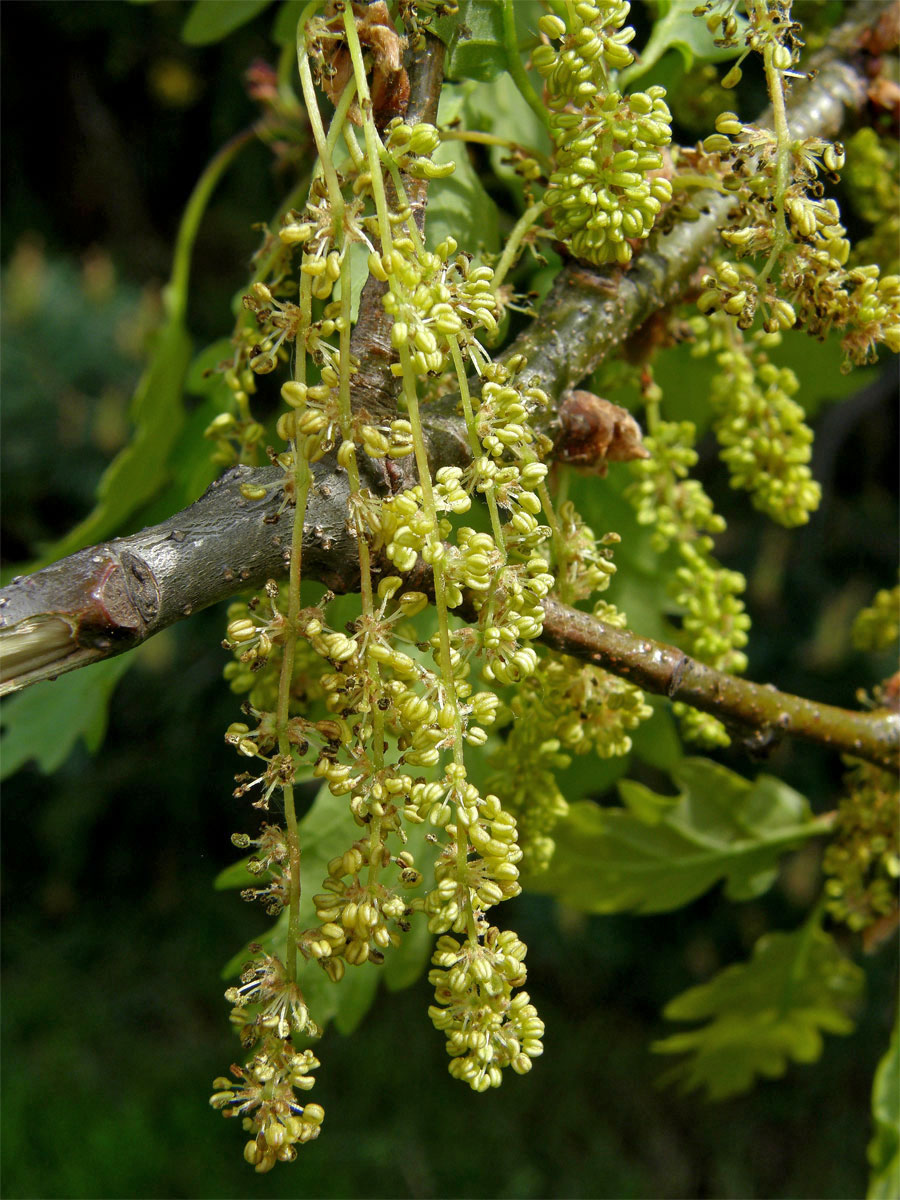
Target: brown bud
[(594, 432), (390, 82)]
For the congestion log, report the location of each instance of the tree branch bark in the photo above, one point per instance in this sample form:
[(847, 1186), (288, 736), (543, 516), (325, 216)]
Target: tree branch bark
[(111, 597)]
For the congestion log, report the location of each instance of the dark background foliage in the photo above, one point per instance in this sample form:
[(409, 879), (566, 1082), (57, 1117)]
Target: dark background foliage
[(113, 1022)]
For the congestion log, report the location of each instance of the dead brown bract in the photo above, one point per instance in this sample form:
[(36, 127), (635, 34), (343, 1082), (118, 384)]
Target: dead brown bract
[(389, 81), (595, 432)]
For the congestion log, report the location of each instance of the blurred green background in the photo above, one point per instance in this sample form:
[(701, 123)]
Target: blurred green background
[(113, 1021)]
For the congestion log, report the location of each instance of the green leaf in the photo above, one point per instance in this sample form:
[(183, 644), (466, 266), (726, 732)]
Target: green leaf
[(678, 29), (45, 721), (763, 1013), (444, 27), (660, 853), (884, 1148), (477, 50), (459, 205), (656, 741), (500, 108), (202, 377), (284, 31), (327, 830), (211, 20)]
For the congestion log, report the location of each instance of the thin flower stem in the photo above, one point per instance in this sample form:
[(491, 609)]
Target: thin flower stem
[(430, 508), (514, 65), (513, 242), (474, 443), (492, 139), (371, 134), (332, 182), (559, 545), (775, 87), (302, 481), (177, 289)]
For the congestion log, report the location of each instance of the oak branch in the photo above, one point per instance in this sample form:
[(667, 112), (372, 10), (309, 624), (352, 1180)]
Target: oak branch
[(111, 597)]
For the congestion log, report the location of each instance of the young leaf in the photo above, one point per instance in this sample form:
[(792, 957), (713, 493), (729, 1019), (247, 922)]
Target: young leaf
[(210, 20), (458, 204), (678, 29), (884, 1148), (763, 1013), (284, 31), (44, 722), (476, 50), (660, 853)]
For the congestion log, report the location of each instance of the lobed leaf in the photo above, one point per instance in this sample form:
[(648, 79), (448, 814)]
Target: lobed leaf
[(476, 46), (762, 1014), (658, 853), (884, 1148), (45, 721), (211, 20), (458, 205)]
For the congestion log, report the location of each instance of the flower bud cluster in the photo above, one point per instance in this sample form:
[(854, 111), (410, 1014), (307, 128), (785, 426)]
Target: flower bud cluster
[(465, 885), (731, 288), (714, 621), (586, 563), (816, 288), (251, 633), (487, 1024), (593, 43), (873, 181), (603, 190), (264, 1096), (236, 435), (673, 505), (765, 440), (360, 915), (565, 708), (255, 672), (510, 614), (862, 863), (434, 297), (878, 626), (507, 597), (267, 1002), (827, 295), (271, 862), (411, 148)]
